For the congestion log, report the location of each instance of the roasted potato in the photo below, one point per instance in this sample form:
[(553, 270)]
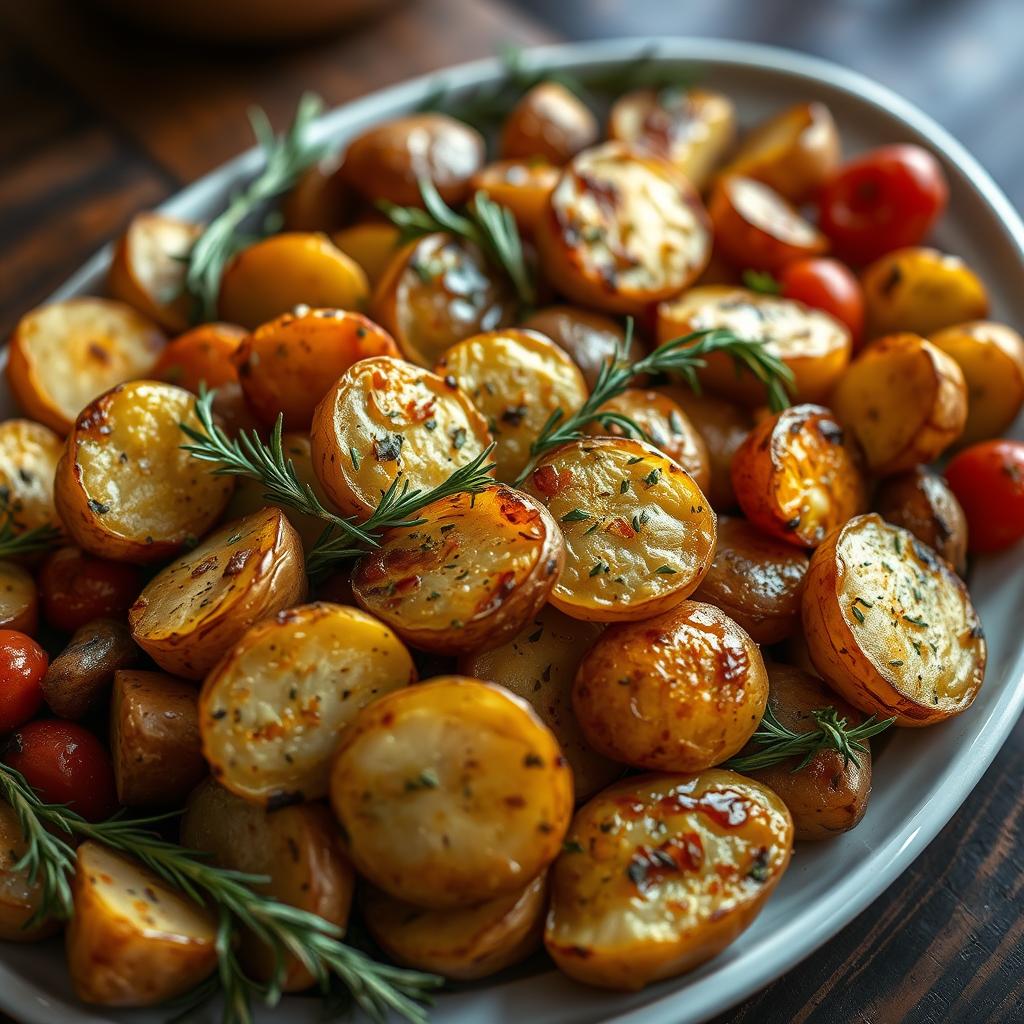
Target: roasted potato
[(386, 418), (19, 599), (796, 476), (202, 355), (372, 244), (756, 580), (639, 534), (287, 365), (660, 873), (293, 268), (522, 186), (539, 664), (125, 489), (154, 739), (20, 896), (890, 626), (320, 199), (680, 692), (232, 411), (548, 123), (622, 231), (193, 610), (469, 576), (517, 378), (904, 401), (29, 453), (64, 354), (814, 345), (451, 793), (272, 710)]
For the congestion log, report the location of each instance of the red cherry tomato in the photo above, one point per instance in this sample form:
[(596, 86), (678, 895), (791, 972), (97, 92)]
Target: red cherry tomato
[(882, 201), (65, 764), (988, 480), (830, 286), (23, 664), (76, 588)]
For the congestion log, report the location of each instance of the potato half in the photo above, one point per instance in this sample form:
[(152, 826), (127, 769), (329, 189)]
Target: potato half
[(20, 896), (19, 599), (29, 453)]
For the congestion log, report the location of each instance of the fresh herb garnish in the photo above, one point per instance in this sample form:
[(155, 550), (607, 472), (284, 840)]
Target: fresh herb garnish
[(762, 282)]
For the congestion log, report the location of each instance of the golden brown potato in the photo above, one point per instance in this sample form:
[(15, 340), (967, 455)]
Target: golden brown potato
[(272, 710), (64, 354), (372, 244), (29, 453), (293, 268), (20, 896), (680, 692), (756, 580), (660, 873), (320, 198), (202, 355), (125, 489), (890, 626), (154, 739), (649, 242), (991, 357), (469, 576), (548, 123), (19, 599), (903, 400), (522, 186), (133, 940), (193, 610), (451, 793), (639, 534)]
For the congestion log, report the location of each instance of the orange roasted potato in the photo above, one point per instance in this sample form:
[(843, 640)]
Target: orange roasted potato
[(19, 599), (202, 355), (548, 123), (29, 453), (320, 199), (522, 186), (373, 244)]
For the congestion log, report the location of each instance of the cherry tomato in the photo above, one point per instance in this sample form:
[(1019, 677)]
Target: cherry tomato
[(884, 200), (76, 588), (65, 764), (988, 480), (23, 664), (830, 286)]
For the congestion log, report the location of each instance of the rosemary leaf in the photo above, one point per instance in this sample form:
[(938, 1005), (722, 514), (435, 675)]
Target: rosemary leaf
[(24, 542)]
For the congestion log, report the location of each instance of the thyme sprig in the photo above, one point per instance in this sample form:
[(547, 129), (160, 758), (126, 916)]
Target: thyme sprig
[(25, 542)]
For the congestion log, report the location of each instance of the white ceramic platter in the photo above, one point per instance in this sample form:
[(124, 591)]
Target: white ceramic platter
[(923, 775)]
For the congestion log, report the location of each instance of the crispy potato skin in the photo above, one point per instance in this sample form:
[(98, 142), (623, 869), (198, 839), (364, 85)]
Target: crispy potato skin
[(796, 476), (372, 244), (660, 873), (29, 453), (523, 186), (451, 793), (549, 122), (20, 898), (890, 626), (19, 599), (201, 355), (680, 692)]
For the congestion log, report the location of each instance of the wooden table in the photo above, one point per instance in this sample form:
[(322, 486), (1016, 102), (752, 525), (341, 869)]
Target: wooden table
[(99, 121)]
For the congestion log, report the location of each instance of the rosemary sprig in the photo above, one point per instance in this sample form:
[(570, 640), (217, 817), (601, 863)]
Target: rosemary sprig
[(25, 542), (779, 744), (761, 281)]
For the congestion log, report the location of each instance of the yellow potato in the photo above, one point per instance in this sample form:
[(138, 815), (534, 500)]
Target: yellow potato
[(29, 453), (372, 244), (660, 873), (548, 123), (522, 186), (890, 627), (124, 487), (20, 897), (19, 599)]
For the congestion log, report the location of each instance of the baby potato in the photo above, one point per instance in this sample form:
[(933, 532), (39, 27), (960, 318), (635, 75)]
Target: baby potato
[(622, 231), (691, 128), (124, 487), (287, 365), (194, 609), (756, 580), (991, 357), (517, 378), (387, 160), (793, 152), (522, 186), (904, 401), (320, 198), (660, 873), (372, 244), (814, 345), (680, 692), (438, 290), (62, 355), (133, 940), (451, 793), (386, 418), (548, 123), (293, 268), (890, 626), (29, 453), (201, 355), (639, 534), (271, 711), (20, 896), (796, 476), (232, 411), (469, 576), (921, 501), (148, 268), (539, 664), (19, 599), (464, 943)]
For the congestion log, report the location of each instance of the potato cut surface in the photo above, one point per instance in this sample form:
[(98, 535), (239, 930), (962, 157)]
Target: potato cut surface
[(29, 453)]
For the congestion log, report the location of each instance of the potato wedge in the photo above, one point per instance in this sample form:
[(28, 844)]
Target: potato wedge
[(20, 897), (372, 244), (522, 186), (64, 354), (29, 453), (202, 355), (903, 400), (469, 577), (193, 610), (660, 873), (890, 626), (386, 418), (517, 378), (272, 710), (124, 487), (548, 123), (622, 231), (19, 599), (451, 793), (639, 534)]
